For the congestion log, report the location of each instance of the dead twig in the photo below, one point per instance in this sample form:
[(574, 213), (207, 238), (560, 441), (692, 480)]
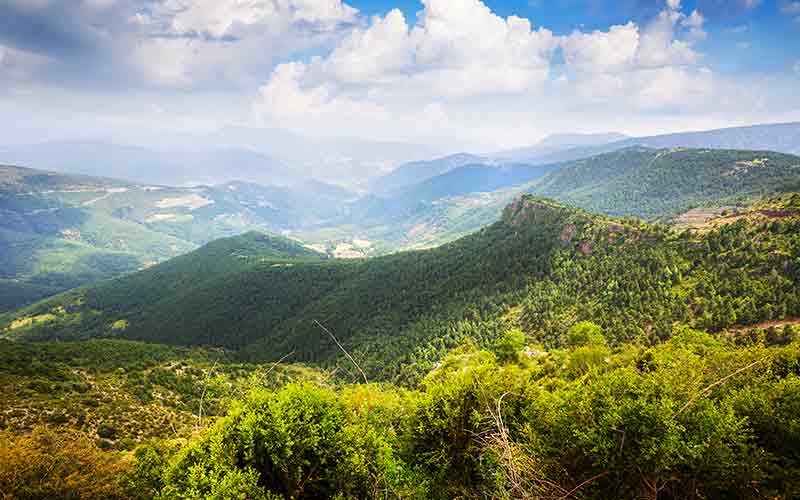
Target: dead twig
[(274, 365), (719, 382), (343, 350), (203, 395)]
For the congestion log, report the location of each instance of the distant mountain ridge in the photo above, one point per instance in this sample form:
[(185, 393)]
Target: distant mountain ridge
[(636, 181), (419, 171), (781, 138), (176, 167), (554, 143)]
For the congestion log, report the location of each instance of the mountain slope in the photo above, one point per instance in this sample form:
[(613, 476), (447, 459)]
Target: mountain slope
[(59, 231), (661, 183), (652, 184), (781, 137), (542, 267), (415, 172), (553, 144), (179, 166)]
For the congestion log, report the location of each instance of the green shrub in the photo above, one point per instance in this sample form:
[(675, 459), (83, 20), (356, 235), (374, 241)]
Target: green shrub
[(585, 333)]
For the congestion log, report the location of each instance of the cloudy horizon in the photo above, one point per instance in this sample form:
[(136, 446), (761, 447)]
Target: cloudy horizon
[(464, 74)]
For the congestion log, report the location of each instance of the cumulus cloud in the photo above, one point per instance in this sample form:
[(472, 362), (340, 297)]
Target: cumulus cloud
[(220, 19), (602, 51), (230, 40), (456, 51), (460, 62), (170, 42), (655, 66)]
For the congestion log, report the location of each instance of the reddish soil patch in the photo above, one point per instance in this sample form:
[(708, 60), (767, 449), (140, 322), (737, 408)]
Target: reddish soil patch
[(777, 323), (568, 233)]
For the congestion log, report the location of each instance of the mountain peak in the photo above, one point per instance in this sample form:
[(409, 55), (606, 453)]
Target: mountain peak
[(528, 209), (581, 139)]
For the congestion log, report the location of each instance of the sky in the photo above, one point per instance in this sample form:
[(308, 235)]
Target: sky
[(459, 74)]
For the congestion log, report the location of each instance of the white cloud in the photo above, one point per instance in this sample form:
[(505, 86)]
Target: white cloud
[(234, 18), (643, 68), (388, 74), (184, 42), (471, 73), (457, 50), (382, 50), (602, 51), (694, 22), (673, 88), (285, 99), (659, 45)]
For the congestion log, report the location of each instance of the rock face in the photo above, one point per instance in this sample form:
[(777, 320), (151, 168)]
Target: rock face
[(530, 210), (574, 228)]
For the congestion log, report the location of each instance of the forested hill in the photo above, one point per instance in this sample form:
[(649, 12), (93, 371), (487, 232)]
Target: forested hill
[(542, 268), (654, 184)]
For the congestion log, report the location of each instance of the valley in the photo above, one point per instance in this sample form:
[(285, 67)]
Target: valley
[(460, 327)]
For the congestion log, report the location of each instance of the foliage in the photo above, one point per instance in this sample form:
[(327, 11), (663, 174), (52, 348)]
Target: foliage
[(124, 393), (703, 418), (542, 269), (48, 464), (300, 442), (585, 333)]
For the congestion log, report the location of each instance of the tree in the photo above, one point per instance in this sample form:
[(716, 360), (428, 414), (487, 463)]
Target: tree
[(584, 333)]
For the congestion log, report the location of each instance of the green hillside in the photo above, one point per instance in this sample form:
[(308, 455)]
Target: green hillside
[(542, 268), (553, 354), (655, 184), (60, 231)]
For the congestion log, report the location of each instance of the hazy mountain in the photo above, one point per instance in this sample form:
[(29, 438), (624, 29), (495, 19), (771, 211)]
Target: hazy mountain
[(581, 139), (636, 181), (186, 166), (341, 161), (555, 143), (782, 137), (418, 171), (406, 201)]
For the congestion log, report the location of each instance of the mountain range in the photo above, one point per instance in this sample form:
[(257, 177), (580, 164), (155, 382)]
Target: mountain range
[(781, 137), (62, 230), (542, 266), (621, 325)]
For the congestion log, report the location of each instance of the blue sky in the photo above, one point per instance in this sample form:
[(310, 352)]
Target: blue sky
[(457, 73)]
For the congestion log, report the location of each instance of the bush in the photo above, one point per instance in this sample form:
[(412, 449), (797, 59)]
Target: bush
[(300, 442), (50, 465), (585, 333)]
